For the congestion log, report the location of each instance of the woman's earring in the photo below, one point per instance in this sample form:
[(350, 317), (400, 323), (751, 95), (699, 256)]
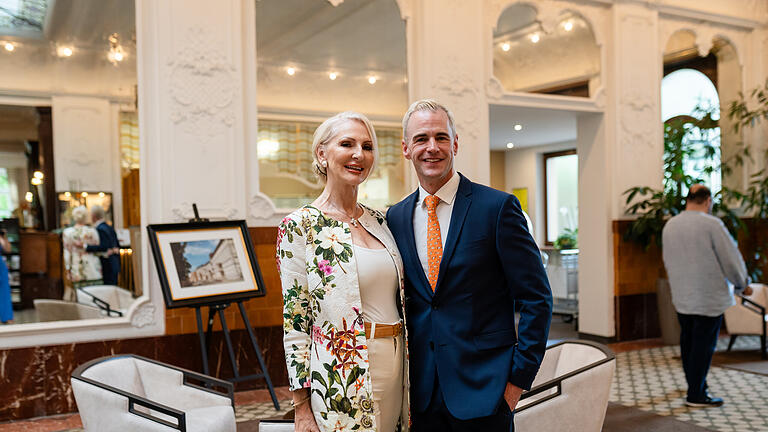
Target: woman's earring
[(324, 164)]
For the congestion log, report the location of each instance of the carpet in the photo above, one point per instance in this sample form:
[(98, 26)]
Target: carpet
[(745, 361), (620, 418)]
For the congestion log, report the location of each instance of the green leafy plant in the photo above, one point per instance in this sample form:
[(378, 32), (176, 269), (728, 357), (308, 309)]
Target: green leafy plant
[(568, 239), (686, 138)]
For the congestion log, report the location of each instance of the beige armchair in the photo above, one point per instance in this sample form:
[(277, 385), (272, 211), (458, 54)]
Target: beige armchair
[(128, 393), (60, 310), (748, 317), (571, 390), (112, 300)]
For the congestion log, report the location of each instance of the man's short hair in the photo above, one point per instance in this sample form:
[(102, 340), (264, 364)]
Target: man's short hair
[(698, 194), (427, 105), (97, 213)]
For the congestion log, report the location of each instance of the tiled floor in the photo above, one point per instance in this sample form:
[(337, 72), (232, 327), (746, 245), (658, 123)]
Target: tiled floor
[(652, 380)]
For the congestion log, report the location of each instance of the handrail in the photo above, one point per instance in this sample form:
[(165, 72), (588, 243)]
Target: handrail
[(101, 304)]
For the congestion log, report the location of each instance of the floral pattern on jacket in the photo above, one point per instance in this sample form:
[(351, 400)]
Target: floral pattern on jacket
[(324, 334), (80, 265)]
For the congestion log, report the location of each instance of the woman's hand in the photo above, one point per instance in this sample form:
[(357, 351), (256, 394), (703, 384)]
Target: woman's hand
[(304, 419)]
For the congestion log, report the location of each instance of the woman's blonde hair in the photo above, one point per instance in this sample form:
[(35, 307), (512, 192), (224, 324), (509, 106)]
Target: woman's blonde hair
[(329, 129), (80, 215)]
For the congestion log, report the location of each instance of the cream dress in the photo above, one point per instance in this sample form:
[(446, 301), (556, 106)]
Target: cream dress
[(377, 276)]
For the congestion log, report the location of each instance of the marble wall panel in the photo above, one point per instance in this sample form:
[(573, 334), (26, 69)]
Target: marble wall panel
[(36, 381)]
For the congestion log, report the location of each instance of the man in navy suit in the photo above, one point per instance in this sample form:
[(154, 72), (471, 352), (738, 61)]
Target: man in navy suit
[(108, 246), (469, 259)]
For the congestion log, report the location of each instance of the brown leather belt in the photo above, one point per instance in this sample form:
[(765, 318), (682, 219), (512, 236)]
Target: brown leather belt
[(384, 330)]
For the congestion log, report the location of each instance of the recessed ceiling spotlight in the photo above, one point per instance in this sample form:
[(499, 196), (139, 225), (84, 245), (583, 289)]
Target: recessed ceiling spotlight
[(291, 71), (505, 46), (333, 76), (510, 145), (65, 51), (9, 46), (535, 38), (518, 127), (372, 80), (568, 25)]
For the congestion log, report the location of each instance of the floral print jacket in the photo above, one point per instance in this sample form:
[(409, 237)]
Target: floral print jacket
[(324, 336)]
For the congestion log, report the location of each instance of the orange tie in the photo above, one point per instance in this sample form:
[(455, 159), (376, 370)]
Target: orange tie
[(434, 241)]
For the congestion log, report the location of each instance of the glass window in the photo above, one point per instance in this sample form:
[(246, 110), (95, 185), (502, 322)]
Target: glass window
[(285, 166), (690, 93), (6, 206), (561, 193)]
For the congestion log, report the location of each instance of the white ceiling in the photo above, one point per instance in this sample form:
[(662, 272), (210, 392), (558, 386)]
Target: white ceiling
[(540, 126), (357, 34)]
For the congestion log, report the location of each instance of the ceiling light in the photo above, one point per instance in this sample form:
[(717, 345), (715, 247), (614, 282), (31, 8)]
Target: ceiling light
[(65, 51), (518, 127), (568, 26), (372, 80), (535, 38), (333, 76), (510, 145), (101, 194), (9, 46), (84, 194), (505, 46), (291, 71), (67, 194)]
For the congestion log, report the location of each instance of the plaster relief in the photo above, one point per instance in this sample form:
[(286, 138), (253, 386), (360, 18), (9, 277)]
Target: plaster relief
[(459, 93), (143, 316), (203, 85)]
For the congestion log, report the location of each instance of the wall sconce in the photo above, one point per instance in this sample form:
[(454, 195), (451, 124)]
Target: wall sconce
[(28, 197), (65, 51), (116, 53)]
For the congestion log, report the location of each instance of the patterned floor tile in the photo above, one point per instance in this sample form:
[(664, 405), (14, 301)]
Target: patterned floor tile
[(652, 380)]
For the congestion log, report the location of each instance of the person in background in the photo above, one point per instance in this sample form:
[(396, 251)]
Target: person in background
[(6, 308), (108, 247), (701, 258), (82, 268)]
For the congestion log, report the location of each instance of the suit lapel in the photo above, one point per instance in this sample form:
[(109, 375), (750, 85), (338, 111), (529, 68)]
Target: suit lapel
[(460, 208), (413, 254)]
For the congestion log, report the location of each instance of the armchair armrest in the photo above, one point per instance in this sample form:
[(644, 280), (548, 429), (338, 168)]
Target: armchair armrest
[(134, 400), (751, 305)]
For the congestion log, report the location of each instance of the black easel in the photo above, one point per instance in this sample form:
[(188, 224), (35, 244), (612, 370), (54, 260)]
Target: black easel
[(205, 337)]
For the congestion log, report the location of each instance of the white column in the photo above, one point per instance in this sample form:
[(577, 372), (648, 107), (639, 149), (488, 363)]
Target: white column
[(446, 63), (195, 107)]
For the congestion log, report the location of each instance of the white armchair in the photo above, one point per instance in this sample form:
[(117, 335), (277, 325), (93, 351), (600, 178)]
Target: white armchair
[(128, 393), (111, 299), (748, 316), (60, 310), (571, 390)]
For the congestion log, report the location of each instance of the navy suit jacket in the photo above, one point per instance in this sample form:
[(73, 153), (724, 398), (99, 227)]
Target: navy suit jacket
[(110, 266), (464, 333)]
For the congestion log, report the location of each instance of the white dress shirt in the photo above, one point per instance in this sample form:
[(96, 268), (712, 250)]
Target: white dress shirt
[(447, 195)]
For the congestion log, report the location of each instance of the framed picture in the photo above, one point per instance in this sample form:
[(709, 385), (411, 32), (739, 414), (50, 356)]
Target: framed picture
[(205, 263)]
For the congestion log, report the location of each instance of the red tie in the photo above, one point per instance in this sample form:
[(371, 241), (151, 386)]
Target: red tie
[(434, 241)]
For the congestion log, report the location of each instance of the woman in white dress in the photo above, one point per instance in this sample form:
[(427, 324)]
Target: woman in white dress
[(82, 268), (341, 275)]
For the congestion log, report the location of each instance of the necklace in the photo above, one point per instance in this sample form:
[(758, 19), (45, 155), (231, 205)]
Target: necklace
[(352, 220)]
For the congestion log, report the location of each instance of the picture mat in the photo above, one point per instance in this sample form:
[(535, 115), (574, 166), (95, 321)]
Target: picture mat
[(164, 240)]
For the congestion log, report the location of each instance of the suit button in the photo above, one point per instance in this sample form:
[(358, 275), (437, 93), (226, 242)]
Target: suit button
[(432, 346)]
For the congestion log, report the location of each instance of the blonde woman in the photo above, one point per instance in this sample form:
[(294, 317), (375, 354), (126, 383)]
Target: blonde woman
[(341, 275), (82, 268)]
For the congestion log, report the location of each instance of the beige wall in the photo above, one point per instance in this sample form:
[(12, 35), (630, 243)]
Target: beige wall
[(498, 170), (525, 169)]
